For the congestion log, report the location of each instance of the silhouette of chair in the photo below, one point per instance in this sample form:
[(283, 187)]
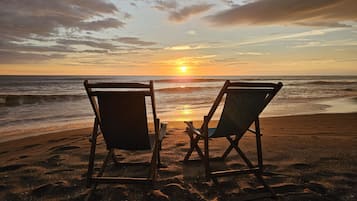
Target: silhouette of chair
[(243, 103), (121, 116)]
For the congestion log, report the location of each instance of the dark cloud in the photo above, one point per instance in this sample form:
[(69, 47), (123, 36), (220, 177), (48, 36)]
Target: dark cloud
[(100, 24), (165, 5), (308, 13), (19, 18), (94, 44), (30, 29), (134, 41), (178, 14), (36, 48), (11, 57), (232, 2), (188, 11)]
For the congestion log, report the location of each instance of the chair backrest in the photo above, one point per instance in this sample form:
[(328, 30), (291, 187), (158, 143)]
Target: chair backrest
[(120, 109), (243, 105)]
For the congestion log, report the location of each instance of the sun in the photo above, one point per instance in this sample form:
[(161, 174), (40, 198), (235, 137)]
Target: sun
[(183, 69)]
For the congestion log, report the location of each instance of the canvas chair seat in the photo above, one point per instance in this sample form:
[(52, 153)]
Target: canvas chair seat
[(243, 104)]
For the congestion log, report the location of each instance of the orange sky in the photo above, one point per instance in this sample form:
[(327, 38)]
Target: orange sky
[(98, 37)]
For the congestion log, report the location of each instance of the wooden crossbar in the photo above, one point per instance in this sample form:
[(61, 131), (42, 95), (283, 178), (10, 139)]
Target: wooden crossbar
[(257, 84), (122, 180), (249, 90), (117, 85), (97, 93)]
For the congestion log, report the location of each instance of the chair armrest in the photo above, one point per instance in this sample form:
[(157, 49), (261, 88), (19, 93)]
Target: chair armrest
[(192, 129), (162, 131)]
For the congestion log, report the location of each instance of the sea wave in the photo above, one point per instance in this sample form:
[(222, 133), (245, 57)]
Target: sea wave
[(321, 82), (16, 100), (185, 80), (184, 89)]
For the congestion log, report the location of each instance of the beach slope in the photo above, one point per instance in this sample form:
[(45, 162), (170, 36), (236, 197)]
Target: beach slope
[(309, 157)]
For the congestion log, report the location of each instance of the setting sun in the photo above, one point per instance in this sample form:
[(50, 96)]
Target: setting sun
[(183, 69)]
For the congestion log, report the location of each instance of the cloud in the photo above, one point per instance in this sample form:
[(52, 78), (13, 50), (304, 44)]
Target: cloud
[(100, 24), (177, 14), (188, 47), (20, 47), (134, 41), (251, 53), (189, 60), (331, 43), (294, 36), (10, 57), (165, 5), (330, 13), (188, 11), (29, 29), (191, 32), (94, 44), (41, 17)]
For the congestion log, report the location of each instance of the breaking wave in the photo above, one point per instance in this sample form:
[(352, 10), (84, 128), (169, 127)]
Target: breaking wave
[(16, 100)]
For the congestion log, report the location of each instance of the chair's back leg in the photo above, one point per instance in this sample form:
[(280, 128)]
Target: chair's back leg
[(105, 162), (259, 145), (154, 163), (92, 153), (206, 156)]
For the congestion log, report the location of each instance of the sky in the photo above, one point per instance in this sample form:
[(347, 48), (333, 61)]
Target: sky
[(188, 38)]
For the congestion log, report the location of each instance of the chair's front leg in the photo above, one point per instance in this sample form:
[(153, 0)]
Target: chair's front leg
[(93, 141), (259, 145), (114, 158), (162, 133), (233, 143), (206, 156), (228, 150), (194, 145), (154, 163), (193, 142)]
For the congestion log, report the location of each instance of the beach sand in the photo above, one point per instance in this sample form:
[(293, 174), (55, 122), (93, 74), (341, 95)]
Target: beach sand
[(309, 157)]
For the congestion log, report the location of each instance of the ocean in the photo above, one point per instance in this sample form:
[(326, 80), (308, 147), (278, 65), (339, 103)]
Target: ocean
[(34, 105)]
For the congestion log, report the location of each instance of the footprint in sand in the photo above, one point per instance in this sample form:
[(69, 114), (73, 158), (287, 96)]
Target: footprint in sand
[(31, 146), (329, 159), (56, 140), (4, 187), (59, 149), (23, 156), (59, 171), (177, 191), (318, 188), (288, 188), (51, 161), (11, 167), (59, 187), (301, 166)]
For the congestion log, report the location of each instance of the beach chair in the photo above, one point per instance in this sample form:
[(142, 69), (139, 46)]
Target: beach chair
[(243, 103), (121, 116)]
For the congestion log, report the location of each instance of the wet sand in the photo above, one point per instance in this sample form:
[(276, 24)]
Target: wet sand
[(308, 157)]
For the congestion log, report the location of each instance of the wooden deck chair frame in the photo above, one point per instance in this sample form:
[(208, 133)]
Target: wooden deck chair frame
[(160, 131), (202, 134)]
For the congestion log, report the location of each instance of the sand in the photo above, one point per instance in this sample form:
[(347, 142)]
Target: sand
[(310, 157)]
